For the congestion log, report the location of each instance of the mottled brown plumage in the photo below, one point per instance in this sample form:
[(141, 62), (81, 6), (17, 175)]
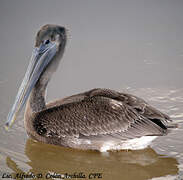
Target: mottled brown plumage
[(87, 120)]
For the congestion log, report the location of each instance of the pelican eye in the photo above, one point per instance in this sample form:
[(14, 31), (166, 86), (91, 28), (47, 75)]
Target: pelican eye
[(47, 41)]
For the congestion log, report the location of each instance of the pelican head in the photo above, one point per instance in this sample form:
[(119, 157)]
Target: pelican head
[(48, 50)]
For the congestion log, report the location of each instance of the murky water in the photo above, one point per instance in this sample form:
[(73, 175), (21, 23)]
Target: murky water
[(126, 46), (164, 158)]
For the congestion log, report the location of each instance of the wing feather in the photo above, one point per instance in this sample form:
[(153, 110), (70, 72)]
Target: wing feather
[(100, 113)]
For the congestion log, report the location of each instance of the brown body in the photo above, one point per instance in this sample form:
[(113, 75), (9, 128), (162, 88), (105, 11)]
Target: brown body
[(98, 115)]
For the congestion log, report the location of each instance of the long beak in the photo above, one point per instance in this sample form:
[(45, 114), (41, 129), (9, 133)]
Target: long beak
[(40, 59)]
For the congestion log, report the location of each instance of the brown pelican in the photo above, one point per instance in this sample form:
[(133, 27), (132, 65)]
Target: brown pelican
[(99, 119)]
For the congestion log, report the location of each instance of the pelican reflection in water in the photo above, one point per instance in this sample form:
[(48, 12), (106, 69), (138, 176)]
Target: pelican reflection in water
[(99, 119)]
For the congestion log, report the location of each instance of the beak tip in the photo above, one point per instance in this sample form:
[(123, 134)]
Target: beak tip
[(7, 125), (10, 120)]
